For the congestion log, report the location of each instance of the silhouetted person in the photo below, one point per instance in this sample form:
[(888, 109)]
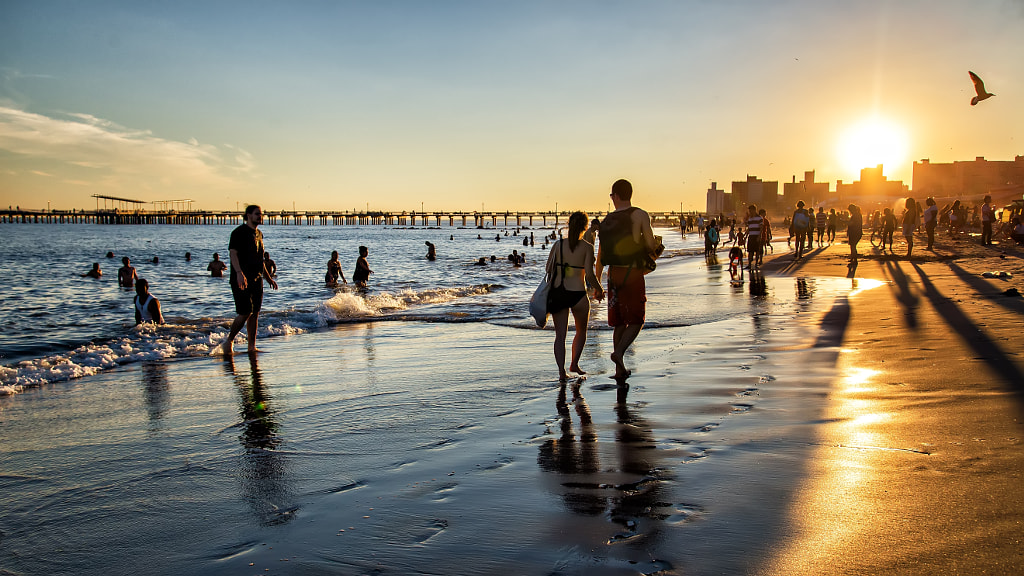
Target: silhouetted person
[(147, 307), (626, 240), (126, 275), (95, 272), (216, 266)]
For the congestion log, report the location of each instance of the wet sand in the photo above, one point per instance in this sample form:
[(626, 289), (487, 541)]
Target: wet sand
[(919, 469), (877, 432)]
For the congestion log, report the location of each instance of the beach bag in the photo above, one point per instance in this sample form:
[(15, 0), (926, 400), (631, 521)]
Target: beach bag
[(801, 222), (539, 303)]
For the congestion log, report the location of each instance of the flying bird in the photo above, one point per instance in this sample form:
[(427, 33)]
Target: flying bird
[(979, 87)]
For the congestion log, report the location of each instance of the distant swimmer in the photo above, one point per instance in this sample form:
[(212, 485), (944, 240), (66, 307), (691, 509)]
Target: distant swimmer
[(362, 272), (334, 271), (156, 259), (431, 252), (247, 274), (110, 254), (979, 89), (270, 265), (147, 307), (126, 275), (481, 262), (188, 256), (95, 272), (216, 266)]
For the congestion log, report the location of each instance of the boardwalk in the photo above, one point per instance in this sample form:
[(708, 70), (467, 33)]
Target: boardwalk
[(309, 218)]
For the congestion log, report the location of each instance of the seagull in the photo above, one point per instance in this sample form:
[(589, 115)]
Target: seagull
[(979, 87)]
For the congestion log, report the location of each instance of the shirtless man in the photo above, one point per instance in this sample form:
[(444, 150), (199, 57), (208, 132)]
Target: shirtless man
[(216, 266), (126, 275), (95, 272), (270, 265), (248, 270), (362, 272), (147, 307), (626, 238)]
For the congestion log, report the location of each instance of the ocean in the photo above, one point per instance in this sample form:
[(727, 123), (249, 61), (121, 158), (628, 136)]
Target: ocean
[(56, 325)]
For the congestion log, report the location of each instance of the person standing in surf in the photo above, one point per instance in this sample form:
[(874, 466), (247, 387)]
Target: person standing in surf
[(362, 271), (248, 269), (626, 239), (147, 307)]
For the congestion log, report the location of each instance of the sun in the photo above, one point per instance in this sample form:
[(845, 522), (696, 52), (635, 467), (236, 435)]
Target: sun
[(872, 142)]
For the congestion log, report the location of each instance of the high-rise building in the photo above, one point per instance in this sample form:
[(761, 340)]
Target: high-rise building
[(755, 191), (967, 178), (811, 192), (716, 203)]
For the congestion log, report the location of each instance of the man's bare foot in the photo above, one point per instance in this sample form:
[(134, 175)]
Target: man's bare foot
[(563, 377), (225, 348), (620, 368), (576, 369)]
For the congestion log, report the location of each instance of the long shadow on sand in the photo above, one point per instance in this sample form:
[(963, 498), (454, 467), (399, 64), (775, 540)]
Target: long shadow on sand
[(985, 347)]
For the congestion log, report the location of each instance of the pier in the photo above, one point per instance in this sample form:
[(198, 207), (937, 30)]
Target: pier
[(117, 216)]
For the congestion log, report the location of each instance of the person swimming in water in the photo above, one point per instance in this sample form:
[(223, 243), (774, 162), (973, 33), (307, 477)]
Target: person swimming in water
[(431, 251), (216, 266), (95, 272)]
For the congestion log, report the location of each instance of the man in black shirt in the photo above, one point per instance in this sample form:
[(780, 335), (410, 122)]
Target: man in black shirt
[(247, 273)]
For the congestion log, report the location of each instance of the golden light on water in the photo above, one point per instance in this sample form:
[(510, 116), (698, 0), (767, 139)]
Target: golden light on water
[(871, 142)]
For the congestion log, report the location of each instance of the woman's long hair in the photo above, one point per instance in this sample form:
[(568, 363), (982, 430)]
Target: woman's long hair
[(577, 226)]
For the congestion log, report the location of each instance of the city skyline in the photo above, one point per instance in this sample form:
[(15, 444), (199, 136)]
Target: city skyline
[(397, 105)]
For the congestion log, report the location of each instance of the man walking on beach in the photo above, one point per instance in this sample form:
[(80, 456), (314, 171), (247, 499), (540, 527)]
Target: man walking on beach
[(247, 273), (626, 238)]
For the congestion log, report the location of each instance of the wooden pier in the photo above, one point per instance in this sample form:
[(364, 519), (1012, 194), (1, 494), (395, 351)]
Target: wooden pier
[(309, 218)]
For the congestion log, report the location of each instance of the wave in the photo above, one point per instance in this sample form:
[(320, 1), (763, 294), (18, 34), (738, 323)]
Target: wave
[(191, 338)]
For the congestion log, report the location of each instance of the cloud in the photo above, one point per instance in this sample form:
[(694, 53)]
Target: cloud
[(122, 157)]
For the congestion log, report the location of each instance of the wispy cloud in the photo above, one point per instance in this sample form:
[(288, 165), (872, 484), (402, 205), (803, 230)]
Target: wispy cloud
[(122, 157)]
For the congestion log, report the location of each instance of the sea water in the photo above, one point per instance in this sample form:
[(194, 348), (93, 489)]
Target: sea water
[(56, 325)]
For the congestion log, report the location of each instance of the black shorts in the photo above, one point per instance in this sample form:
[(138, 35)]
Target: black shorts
[(250, 300), (755, 246)]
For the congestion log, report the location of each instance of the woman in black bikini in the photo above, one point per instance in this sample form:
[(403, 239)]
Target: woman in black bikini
[(570, 265)]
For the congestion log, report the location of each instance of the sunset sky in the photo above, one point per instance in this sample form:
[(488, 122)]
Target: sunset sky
[(483, 104)]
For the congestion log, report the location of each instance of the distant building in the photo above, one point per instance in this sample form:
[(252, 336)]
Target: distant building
[(717, 200), (873, 188), (967, 178), (811, 192), (755, 191)]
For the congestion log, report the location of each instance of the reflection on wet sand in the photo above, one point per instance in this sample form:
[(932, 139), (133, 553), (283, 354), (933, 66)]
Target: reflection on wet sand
[(155, 391), (263, 472), (621, 482)]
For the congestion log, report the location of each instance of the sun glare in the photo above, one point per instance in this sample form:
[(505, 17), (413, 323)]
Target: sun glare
[(873, 142)]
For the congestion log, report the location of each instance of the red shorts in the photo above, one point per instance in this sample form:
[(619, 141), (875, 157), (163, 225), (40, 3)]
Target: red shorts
[(627, 296)]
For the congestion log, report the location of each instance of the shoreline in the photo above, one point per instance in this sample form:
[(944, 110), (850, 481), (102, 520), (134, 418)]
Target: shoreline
[(792, 437)]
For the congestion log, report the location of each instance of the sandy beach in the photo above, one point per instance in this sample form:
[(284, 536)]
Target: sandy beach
[(847, 425)]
